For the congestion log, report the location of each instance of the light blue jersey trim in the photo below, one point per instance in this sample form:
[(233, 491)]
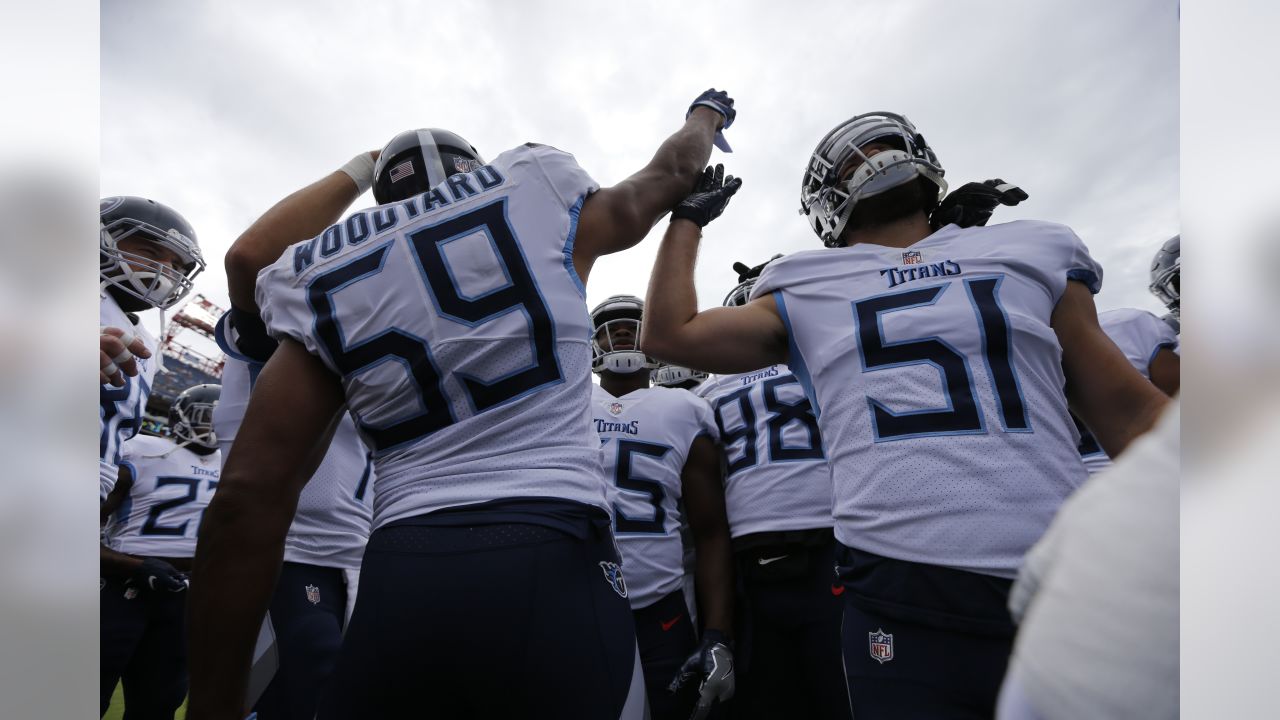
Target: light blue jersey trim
[(568, 247), (796, 361)]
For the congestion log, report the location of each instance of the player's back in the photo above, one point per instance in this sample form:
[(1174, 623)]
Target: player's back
[(776, 475), (938, 385), (460, 331)]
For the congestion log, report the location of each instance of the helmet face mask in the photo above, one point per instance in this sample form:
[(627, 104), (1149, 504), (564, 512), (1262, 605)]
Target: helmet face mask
[(136, 281), (191, 416), (828, 200), (608, 318), (740, 294), (417, 160), (675, 376), (1166, 272)]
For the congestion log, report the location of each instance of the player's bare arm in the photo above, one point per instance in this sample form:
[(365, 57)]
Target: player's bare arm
[(722, 340), (1104, 390), (294, 409), (618, 217), (300, 216), (1166, 371), (703, 494)]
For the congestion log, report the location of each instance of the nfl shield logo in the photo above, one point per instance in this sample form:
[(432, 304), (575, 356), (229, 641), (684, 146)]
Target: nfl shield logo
[(615, 408), (130, 593), (313, 594), (881, 646), (912, 257)]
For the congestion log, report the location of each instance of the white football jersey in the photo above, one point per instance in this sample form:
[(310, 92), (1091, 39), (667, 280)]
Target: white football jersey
[(121, 409), (1139, 335), (938, 386), (460, 330), (171, 488), (776, 472), (331, 525), (644, 442)]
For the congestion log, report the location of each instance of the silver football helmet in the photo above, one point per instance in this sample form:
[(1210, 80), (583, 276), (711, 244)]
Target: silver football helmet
[(135, 281), (191, 416), (1166, 272), (828, 200), (675, 376), (617, 321)]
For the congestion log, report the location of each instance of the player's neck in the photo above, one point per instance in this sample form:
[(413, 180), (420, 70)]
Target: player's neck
[(899, 233), (617, 384)]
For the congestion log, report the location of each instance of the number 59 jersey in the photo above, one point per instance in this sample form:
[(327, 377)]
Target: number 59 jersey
[(938, 385), (460, 331), (645, 437)]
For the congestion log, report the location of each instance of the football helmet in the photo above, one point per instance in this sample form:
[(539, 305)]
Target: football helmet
[(191, 416), (417, 160), (674, 376), (619, 313), (137, 282), (827, 200), (1166, 269)]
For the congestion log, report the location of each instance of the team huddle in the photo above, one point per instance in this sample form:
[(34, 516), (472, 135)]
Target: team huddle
[(409, 499)]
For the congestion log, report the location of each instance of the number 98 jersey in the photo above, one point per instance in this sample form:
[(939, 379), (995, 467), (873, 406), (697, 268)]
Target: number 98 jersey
[(938, 385), (460, 331)]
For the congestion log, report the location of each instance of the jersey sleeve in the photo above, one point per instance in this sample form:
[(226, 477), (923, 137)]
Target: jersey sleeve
[(1064, 257), (282, 305), (1139, 335), (704, 419), (567, 179)]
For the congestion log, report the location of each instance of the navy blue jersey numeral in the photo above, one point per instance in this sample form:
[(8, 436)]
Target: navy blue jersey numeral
[(364, 479), (746, 433), (781, 414), (394, 344), (520, 293), (152, 525), (627, 482), (1088, 443), (962, 414)]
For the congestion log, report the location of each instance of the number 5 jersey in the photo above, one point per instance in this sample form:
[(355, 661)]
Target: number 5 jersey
[(459, 328), (938, 386)]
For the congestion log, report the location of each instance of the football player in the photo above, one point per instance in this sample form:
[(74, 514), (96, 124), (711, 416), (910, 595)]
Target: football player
[(1166, 282), (148, 258), (450, 320), (662, 467), (777, 489), (935, 362), (154, 511), (316, 589)]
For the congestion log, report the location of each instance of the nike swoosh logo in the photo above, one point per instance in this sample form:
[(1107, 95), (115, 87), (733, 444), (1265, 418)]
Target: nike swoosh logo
[(766, 561), (668, 624)]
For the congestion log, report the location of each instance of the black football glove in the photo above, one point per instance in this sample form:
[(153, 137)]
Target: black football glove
[(971, 204), (719, 101), (712, 664), (746, 273), (160, 575), (709, 197)]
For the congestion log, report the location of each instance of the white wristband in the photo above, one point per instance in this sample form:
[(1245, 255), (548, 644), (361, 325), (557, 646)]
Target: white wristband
[(360, 170)]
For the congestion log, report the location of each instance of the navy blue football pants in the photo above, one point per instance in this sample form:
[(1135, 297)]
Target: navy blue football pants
[(922, 641), (487, 621), (666, 637), (144, 646), (307, 612), (788, 662)]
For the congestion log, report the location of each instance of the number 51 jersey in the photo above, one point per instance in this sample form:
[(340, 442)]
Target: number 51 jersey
[(460, 331), (938, 386)]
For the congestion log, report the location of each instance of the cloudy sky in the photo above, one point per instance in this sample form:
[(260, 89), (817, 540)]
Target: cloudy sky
[(220, 109)]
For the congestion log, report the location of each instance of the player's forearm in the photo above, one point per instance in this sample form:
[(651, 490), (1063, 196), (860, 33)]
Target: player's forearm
[(302, 215), (683, 155), (1143, 403), (237, 560), (713, 581), (116, 564), (672, 300)]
